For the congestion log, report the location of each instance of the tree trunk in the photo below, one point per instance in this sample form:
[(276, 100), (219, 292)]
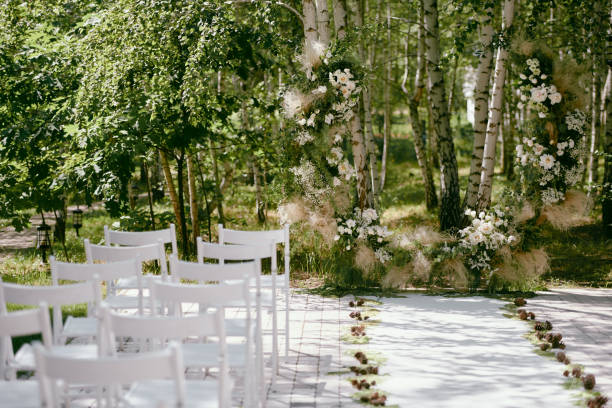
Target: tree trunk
[(310, 20), (371, 148), (364, 196), (595, 121), (451, 91), (340, 18), (218, 193), (323, 22), (387, 98), (449, 177), (606, 206), (508, 140), (180, 176), (259, 202), (418, 130), (174, 198), (194, 207), (488, 160), (481, 107), (149, 194), (359, 159)]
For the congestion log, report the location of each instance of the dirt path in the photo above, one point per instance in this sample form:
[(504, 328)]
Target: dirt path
[(11, 240)]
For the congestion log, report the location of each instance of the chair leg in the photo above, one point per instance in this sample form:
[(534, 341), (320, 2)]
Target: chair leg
[(274, 339), (287, 310)]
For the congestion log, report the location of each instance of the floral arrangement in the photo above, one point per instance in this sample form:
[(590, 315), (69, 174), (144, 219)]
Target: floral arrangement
[(363, 227), (487, 233), (317, 108), (537, 90), (549, 159)]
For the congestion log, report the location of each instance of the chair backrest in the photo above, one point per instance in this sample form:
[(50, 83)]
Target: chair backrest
[(113, 254), (86, 272), (280, 236), (217, 296), (139, 238), (206, 272), (55, 296), (21, 323), (109, 371), (222, 252), (27, 322), (160, 327)]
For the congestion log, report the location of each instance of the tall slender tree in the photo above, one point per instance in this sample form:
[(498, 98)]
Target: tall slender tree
[(418, 128), (449, 175), (495, 110), (481, 105)]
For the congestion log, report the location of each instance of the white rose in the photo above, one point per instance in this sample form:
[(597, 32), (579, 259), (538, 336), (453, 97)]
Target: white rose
[(302, 122), (555, 98), (522, 76)]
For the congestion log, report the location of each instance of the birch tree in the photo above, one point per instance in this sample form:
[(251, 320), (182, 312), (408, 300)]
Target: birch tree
[(481, 106), (310, 20), (323, 22), (364, 194), (387, 101), (449, 177), (431, 199), (495, 110), (340, 18)]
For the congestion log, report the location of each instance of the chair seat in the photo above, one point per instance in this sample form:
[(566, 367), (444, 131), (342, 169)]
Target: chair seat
[(199, 394), (80, 326), (266, 281), (19, 394), (206, 355), (24, 359), (266, 300)]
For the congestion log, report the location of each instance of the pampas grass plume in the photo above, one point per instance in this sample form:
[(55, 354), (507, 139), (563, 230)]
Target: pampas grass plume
[(365, 258), (570, 212), (396, 277)]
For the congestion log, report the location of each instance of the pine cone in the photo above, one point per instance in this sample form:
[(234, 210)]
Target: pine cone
[(532, 315), (566, 373), (360, 302), (548, 325), (352, 304), (597, 402), (544, 346), (522, 314), (520, 302), (576, 372), (539, 326), (561, 357), (588, 381)]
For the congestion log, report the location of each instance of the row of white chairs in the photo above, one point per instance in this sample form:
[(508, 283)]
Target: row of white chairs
[(122, 269)]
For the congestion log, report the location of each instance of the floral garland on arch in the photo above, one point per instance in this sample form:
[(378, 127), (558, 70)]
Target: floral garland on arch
[(549, 158), (318, 106)]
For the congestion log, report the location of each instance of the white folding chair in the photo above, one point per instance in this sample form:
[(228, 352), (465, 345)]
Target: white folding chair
[(243, 273), (139, 238), (156, 379), (21, 323), (55, 296), (21, 394), (279, 237), (224, 253), (110, 273), (144, 253)]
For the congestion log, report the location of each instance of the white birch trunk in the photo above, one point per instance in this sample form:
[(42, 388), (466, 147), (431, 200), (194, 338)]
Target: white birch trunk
[(359, 161), (488, 159), (323, 22), (481, 107), (340, 18), (449, 177), (310, 20), (387, 98)]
